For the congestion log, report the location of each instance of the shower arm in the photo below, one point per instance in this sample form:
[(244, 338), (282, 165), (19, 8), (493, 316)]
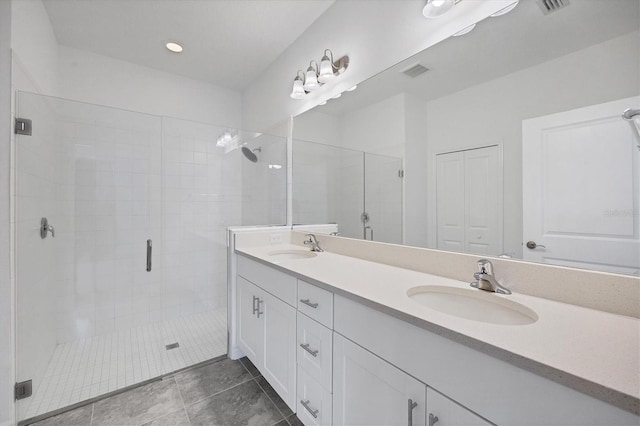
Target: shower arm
[(633, 116)]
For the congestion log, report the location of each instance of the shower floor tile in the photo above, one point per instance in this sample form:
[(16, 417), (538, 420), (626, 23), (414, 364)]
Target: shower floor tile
[(87, 368)]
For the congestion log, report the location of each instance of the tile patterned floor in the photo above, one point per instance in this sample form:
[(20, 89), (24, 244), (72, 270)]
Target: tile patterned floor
[(225, 392), (84, 369)]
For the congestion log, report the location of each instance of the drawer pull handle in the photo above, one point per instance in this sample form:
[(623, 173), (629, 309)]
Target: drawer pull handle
[(255, 309), (308, 303), (305, 404), (305, 346), (411, 406), (433, 419), (258, 313)]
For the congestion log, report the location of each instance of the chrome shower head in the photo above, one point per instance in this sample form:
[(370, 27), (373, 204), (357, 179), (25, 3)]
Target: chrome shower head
[(250, 154)]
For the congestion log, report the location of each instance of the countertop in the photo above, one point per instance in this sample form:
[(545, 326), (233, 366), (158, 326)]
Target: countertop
[(594, 352)]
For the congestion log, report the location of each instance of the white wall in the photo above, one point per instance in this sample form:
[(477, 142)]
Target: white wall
[(415, 172), (492, 113), (88, 77), (376, 34), (378, 128), (6, 294)]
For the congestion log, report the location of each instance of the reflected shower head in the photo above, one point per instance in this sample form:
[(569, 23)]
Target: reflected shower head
[(250, 154)]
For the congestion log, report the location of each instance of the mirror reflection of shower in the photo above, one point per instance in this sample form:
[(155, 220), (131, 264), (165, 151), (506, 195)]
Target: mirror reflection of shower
[(633, 116), (251, 153)]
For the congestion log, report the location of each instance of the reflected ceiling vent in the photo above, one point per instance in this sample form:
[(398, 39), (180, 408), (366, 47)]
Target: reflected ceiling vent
[(549, 6), (414, 70)]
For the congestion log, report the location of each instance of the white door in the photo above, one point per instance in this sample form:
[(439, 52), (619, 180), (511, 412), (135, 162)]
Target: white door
[(580, 189), (369, 391), (450, 413), (250, 327), (279, 358), (469, 201)]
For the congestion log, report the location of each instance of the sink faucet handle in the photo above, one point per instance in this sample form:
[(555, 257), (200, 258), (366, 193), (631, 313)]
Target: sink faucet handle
[(485, 266)]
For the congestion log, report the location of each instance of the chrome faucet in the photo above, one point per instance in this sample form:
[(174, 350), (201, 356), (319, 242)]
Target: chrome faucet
[(485, 279), (315, 245)]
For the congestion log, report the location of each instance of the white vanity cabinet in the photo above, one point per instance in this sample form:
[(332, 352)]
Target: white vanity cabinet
[(442, 411), (370, 391), (266, 328)]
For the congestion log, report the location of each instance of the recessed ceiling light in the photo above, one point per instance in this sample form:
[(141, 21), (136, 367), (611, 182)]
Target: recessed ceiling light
[(174, 47), (323, 103), (353, 88), (336, 96)]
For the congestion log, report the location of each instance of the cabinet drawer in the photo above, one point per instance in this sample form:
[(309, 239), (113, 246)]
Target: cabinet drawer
[(314, 401), (315, 303), (278, 283), (315, 348)]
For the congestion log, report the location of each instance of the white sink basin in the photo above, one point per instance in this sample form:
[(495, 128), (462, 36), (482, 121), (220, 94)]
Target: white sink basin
[(476, 305), (291, 254)]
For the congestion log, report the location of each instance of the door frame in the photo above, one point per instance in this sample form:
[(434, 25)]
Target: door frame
[(432, 187)]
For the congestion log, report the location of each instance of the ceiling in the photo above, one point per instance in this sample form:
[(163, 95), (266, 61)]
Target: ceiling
[(497, 47), (226, 42)]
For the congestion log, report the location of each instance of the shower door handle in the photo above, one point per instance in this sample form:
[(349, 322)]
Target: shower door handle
[(149, 248)]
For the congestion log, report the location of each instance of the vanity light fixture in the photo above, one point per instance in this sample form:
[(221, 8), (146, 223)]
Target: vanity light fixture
[(464, 31), (316, 76), (174, 47), (436, 8), (505, 10)]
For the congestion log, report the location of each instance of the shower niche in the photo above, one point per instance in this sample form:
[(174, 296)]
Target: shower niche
[(133, 284)]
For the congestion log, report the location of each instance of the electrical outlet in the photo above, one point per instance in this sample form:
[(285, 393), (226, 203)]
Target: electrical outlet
[(276, 238)]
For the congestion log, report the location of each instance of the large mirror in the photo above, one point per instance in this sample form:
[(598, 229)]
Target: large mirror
[(509, 141)]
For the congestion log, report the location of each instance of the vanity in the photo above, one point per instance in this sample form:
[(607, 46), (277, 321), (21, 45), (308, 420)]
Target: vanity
[(348, 341)]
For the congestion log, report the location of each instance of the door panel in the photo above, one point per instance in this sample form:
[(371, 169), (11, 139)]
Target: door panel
[(249, 325), (580, 188), (369, 391)]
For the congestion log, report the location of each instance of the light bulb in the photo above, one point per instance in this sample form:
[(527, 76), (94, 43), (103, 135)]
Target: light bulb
[(436, 8), (311, 80), (464, 31), (298, 91), (326, 70)]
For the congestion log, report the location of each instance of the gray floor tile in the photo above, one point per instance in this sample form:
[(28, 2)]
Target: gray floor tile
[(81, 416), (211, 379), (273, 395), (179, 418), (139, 405), (282, 423), (249, 366), (245, 404)]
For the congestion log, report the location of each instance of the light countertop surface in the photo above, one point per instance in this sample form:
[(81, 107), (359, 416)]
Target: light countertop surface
[(594, 352)]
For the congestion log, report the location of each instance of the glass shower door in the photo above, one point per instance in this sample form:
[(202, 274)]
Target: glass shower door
[(88, 305)]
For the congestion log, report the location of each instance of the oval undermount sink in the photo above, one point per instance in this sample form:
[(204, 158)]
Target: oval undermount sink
[(476, 305), (292, 254)]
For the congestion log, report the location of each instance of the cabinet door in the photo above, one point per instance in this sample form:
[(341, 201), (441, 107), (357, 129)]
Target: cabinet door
[(279, 342), (370, 391), (250, 327), (450, 413)]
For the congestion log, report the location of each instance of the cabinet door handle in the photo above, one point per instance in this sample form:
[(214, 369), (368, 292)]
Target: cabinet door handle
[(410, 406), (258, 313), (309, 303), (306, 347), (255, 308), (305, 404), (433, 419)]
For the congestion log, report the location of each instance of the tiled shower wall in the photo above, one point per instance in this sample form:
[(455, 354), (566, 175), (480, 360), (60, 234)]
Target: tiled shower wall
[(202, 197)]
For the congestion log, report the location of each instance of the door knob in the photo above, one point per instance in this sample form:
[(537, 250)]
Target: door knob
[(532, 245), (46, 227)]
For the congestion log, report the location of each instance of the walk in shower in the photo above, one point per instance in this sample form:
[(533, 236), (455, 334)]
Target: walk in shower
[(133, 284), (359, 191)]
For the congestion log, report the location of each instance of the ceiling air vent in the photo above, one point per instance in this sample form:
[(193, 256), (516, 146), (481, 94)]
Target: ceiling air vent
[(414, 70), (549, 6)]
